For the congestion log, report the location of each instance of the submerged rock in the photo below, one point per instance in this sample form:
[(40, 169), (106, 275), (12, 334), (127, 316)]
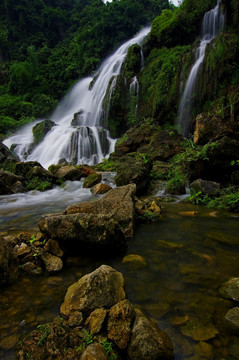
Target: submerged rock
[(199, 331), (230, 289), (135, 259), (232, 318)]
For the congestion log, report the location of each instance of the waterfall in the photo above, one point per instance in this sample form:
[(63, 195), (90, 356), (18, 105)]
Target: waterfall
[(213, 22), (80, 134)]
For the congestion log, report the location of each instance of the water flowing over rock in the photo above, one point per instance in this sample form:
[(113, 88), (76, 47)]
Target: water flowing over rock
[(86, 139), (213, 22)]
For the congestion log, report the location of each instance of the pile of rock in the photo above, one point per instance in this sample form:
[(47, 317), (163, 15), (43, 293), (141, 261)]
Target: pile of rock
[(99, 323)]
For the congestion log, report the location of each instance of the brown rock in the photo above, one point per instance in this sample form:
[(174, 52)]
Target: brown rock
[(100, 189), (94, 352), (69, 173), (119, 323), (10, 183), (118, 204), (102, 287), (92, 180), (53, 247), (76, 319), (31, 268), (52, 262), (95, 321), (148, 342)]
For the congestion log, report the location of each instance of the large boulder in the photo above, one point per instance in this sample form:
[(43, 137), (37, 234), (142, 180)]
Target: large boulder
[(117, 204), (205, 187), (147, 341), (104, 287), (10, 183), (91, 232)]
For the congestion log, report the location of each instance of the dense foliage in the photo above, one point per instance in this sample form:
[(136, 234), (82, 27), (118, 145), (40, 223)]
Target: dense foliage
[(46, 45)]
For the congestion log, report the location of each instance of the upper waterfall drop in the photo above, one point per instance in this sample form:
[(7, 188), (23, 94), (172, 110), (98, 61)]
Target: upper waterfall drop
[(212, 24), (80, 134)]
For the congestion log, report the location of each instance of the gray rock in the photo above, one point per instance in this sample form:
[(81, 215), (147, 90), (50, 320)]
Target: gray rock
[(205, 187), (232, 318), (230, 289)]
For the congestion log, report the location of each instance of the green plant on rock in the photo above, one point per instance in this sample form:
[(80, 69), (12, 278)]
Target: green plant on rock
[(36, 184), (45, 331), (108, 347)]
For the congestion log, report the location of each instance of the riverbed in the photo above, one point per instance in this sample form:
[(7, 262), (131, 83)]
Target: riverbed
[(188, 254)]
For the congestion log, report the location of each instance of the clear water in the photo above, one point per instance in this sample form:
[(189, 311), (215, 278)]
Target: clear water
[(180, 282)]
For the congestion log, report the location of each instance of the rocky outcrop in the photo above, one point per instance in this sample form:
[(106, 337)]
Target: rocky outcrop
[(69, 173), (99, 323), (10, 183)]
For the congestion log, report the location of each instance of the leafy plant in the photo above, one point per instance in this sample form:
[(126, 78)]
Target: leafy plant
[(108, 346)]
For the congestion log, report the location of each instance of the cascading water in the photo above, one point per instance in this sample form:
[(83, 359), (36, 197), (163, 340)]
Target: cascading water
[(80, 134), (212, 24)]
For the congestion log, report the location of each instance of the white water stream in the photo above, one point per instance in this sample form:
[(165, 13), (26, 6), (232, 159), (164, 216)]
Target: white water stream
[(86, 140), (213, 22)]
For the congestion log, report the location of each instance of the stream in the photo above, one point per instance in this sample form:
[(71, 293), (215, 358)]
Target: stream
[(188, 258)]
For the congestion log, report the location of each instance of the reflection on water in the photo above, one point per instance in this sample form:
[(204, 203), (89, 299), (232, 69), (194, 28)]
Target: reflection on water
[(188, 258)]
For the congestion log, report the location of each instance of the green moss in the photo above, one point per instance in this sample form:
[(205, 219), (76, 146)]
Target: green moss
[(133, 61), (41, 129), (38, 184)]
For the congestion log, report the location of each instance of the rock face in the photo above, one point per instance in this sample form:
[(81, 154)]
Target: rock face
[(10, 183), (101, 324), (117, 204), (102, 288), (41, 129)]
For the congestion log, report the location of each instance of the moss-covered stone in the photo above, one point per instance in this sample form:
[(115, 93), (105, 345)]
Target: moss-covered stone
[(92, 180), (41, 129)]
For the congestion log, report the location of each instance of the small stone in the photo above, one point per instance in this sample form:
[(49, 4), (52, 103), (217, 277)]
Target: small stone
[(198, 331), (31, 268), (119, 323), (22, 250), (169, 245), (179, 320), (135, 259), (95, 321), (53, 247), (230, 289), (232, 318), (100, 189), (94, 352), (52, 262), (76, 319)]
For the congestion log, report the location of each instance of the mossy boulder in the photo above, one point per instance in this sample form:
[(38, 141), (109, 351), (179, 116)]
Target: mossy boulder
[(41, 129), (92, 180), (132, 62), (134, 168)]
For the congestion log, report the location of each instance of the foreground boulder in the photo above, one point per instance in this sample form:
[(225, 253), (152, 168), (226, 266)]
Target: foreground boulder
[(88, 333), (8, 267), (117, 204), (6, 155)]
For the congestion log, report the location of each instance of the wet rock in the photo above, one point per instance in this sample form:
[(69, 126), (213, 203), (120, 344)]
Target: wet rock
[(31, 268), (203, 350), (133, 168), (147, 341), (76, 319), (232, 318), (69, 173), (104, 287), (42, 174), (6, 155), (230, 289), (119, 323), (179, 320), (86, 170), (10, 183), (223, 238), (169, 245), (52, 262), (205, 187), (117, 204), (94, 352), (95, 321), (89, 231), (53, 247), (199, 331), (9, 342), (100, 189), (22, 250), (135, 259), (92, 180), (189, 213), (41, 129), (8, 267), (22, 168)]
